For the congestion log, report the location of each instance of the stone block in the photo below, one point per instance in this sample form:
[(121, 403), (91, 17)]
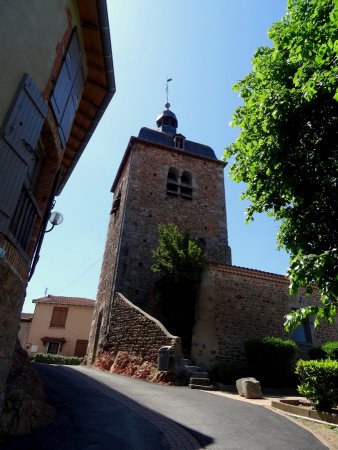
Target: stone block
[(249, 388)]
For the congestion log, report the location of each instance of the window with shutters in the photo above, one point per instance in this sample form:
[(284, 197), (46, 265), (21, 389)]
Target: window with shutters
[(59, 317), (172, 182), (27, 210), (19, 136), (179, 186), (68, 88), (186, 186)]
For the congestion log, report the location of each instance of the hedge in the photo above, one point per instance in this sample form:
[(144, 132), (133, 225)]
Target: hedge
[(270, 359), (49, 358), (319, 382), (327, 350)]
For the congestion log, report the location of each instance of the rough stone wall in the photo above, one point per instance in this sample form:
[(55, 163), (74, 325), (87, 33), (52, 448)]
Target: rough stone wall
[(137, 333), (12, 294), (236, 304), (144, 204), (106, 284), (148, 205)]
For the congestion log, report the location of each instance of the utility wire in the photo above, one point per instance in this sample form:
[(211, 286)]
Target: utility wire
[(78, 278)]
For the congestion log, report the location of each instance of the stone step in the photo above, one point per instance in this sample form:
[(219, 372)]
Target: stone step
[(199, 374), (193, 369), (200, 381), (186, 362), (204, 388)]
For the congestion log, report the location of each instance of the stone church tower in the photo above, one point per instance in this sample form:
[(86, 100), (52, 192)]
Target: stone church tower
[(163, 178)]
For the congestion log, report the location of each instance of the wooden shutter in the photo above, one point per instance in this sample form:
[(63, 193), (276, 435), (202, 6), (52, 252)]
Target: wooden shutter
[(68, 88), (59, 317), (80, 348), (19, 136)]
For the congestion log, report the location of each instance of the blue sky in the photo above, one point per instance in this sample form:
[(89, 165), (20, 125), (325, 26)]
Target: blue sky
[(205, 46)]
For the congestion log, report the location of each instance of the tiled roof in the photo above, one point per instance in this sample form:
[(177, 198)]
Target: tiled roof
[(251, 273), (73, 301), (159, 137), (27, 316)]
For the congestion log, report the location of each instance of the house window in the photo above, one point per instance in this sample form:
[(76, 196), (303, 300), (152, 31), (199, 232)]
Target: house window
[(303, 333), (20, 133), (27, 210), (172, 182), (68, 88), (53, 347), (59, 317), (179, 142), (186, 186)]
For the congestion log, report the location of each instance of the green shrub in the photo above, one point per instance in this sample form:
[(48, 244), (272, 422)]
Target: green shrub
[(49, 358), (225, 373), (270, 359), (319, 382), (331, 350), (327, 350)]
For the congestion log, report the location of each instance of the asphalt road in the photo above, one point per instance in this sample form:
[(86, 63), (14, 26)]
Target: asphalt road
[(102, 411)]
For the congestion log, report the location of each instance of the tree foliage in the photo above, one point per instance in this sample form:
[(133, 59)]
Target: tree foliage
[(287, 149), (178, 257), (179, 260)]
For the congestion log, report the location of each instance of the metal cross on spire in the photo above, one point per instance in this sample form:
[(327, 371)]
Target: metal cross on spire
[(167, 105)]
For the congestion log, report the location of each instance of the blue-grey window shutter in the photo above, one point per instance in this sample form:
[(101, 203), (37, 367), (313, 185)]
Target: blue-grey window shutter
[(18, 138), (68, 88)]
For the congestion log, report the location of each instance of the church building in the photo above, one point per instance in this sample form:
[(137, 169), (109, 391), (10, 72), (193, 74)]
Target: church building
[(165, 178)]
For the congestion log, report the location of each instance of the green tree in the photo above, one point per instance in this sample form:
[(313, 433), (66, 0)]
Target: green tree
[(287, 149), (178, 257), (179, 261)]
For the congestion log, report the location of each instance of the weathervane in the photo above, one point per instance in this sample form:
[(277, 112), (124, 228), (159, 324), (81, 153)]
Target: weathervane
[(167, 105)]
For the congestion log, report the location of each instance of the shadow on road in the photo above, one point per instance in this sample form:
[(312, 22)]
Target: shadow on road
[(92, 416)]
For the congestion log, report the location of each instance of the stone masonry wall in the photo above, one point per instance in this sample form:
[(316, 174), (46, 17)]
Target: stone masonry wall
[(236, 304), (137, 333), (132, 234), (105, 295), (148, 205), (12, 294)]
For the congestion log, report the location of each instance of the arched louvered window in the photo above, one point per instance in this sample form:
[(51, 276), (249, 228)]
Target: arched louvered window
[(186, 185), (172, 182)]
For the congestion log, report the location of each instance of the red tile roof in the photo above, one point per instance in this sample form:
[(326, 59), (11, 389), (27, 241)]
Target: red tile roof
[(251, 273), (72, 301), (27, 317)]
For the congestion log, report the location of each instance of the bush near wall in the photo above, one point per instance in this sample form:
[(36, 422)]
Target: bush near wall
[(319, 382), (327, 350), (226, 373), (49, 358), (270, 360)]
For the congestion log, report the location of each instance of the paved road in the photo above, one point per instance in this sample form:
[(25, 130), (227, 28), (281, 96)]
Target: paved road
[(102, 411)]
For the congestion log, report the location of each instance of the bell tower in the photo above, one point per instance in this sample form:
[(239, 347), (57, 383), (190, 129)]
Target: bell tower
[(163, 178)]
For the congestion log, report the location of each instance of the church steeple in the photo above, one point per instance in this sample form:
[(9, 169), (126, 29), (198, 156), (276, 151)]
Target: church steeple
[(167, 121)]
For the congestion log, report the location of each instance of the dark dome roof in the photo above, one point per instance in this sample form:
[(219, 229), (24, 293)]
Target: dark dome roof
[(167, 121), (166, 113)]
